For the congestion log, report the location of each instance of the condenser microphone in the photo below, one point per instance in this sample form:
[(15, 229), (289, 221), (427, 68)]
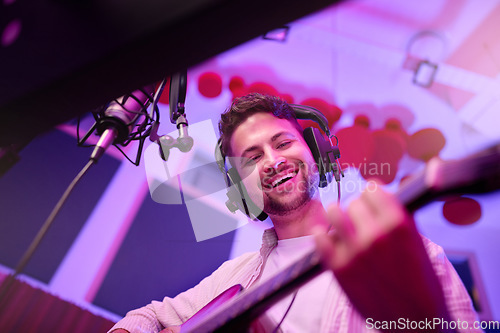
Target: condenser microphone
[(122, 117)]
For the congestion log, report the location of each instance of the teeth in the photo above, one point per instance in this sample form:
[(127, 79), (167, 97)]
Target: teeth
[(283, 178)]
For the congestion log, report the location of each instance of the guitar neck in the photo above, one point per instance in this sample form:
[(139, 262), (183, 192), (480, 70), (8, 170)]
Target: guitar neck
[(240, 312)]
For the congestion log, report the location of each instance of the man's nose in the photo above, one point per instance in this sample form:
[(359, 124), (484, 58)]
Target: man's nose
[(273, 162)]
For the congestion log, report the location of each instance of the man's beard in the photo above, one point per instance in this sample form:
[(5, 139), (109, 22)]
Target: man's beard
[(309, 186)]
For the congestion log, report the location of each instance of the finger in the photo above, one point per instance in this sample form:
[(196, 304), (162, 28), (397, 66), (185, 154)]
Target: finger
[(373, 188), (363, 221), (334, 247), (325, 247), (385, 206), (341, 225)]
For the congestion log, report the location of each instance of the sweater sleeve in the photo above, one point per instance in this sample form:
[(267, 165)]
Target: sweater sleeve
[(174, 311), (457, 299)]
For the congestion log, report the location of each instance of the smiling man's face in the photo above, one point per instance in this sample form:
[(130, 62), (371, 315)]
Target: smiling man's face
[(275, 163)]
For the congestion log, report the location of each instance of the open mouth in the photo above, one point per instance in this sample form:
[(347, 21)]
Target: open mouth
[(283, 178)]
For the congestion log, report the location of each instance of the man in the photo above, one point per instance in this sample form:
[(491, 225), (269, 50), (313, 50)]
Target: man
[(384, 271)]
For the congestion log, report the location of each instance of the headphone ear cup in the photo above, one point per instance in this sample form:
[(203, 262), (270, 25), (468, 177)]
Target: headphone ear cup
[(237, 195), (219, 157), (239, 198), (320, 149)]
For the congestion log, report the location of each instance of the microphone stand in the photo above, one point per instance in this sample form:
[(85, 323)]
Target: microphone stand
[(177, 98)]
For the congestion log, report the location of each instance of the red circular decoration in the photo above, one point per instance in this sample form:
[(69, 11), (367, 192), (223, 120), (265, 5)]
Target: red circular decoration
[(210, 84), (331, 112), (236, 84), (388, 150), (393, 124), (263, 88), (304, 123), (288, 98), (394, 145), (362, 120), (356, 146), (426, 144), (239, 92), (462, 211)]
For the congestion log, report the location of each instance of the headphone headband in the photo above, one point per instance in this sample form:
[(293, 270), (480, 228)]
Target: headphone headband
[(308, 112)]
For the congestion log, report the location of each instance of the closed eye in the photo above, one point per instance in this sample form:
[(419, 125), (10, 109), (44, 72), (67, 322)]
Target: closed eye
[(283, 144), (252, 160)]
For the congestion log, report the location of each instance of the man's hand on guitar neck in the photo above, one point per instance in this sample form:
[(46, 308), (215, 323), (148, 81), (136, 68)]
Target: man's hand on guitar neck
[(379, 259)]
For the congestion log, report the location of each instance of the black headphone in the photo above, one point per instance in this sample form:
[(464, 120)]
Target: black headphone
[(324, 152)]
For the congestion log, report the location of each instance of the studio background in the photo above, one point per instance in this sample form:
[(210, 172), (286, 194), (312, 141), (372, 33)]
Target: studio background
[(400, 82)]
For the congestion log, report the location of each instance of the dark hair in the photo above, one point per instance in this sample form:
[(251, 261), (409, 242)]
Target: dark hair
[(245, 106)]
